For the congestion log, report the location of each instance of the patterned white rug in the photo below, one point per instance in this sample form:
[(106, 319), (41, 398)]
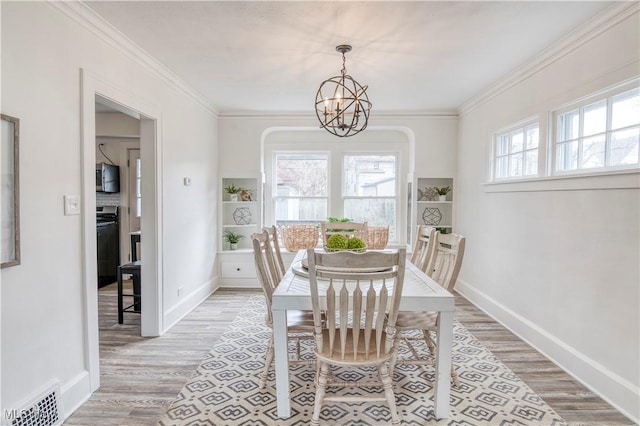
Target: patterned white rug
[(225, 388)]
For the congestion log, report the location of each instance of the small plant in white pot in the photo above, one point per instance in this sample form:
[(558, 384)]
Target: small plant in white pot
[(233, 192), (442, 193), (232, 238)]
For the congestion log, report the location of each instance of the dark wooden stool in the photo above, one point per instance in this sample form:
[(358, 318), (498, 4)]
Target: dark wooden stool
[(133, 269)]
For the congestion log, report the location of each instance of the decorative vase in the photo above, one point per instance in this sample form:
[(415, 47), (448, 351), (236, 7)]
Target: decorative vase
[(442, 198), (233, 246), (233, 197)]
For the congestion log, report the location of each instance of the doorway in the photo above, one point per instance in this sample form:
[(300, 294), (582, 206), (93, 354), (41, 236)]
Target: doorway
[(94, 90)]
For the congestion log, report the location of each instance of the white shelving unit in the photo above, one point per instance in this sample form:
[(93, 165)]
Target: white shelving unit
[(242, 216), (434, 212), (236, 267)]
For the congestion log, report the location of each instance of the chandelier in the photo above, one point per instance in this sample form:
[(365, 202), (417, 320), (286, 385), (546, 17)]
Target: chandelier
[(342, 104)]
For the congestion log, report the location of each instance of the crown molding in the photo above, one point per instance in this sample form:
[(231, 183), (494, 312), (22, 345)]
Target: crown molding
[(589, 30), (89, 19), (307, 114)]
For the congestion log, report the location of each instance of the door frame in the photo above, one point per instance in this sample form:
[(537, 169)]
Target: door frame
[(92, 86)]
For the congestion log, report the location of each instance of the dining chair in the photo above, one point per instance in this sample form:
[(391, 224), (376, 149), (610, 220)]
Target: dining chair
[(444, 268), (348, 229), (300, 324), (359, 288), (275, 247), (424, 247)]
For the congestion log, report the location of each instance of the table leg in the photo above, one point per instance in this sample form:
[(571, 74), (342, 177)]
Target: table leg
[(443, 363), (281, 362)]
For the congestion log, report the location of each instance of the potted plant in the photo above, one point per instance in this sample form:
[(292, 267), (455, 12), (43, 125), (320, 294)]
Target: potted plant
[(232, 238), (233, 192), (442, 193)]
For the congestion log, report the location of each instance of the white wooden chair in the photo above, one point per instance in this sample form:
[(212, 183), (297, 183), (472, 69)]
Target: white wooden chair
[(348, 229), (424, 247), (299, 323), (443, 268), (275, 247), (357, 332)]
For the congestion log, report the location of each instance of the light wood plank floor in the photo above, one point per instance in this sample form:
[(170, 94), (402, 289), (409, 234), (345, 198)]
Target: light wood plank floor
[(141, 376)]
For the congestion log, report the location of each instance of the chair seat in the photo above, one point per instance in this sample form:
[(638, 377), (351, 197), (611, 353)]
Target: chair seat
[(350, 358), (417, 320)]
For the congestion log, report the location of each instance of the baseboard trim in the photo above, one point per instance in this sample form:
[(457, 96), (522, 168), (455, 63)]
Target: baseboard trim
[(74, 393), (611, 387), (189, 303)]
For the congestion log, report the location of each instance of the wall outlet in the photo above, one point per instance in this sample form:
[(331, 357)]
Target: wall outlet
[(180, 291)]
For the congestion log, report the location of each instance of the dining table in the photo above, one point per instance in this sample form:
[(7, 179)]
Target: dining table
[(419, 293)]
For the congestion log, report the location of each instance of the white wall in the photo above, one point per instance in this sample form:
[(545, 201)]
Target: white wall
[(42, 299), (435, 140), (559, 267)]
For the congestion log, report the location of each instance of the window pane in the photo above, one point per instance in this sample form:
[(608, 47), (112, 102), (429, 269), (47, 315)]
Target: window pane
[(531, 163), (567, 157), (301, 210), (568, 126), (374, 211), (517, 141), (502, 167), (532, 136), (370, 175), (515, 165), (625, 110), (593, 150), (302, 175), (624, 147), (595, 118), (503, 145)]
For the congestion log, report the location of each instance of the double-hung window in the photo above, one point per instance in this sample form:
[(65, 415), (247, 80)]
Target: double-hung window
[(516, 152), (301, 187), (370, 189), (599, 134)]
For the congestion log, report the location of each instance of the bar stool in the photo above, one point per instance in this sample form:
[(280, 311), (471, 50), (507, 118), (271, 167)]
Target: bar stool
[(135, 240), (132, 269)]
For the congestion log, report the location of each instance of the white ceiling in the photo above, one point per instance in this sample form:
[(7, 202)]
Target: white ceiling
[(271, 56)]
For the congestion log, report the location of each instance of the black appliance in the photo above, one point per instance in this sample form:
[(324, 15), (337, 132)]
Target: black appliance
[(107, 178), (108, 237)]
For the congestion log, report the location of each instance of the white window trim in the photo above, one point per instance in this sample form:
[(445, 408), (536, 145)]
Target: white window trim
[(271, 197), (622, 177), (336, 188), (522, 124), (552, 142)]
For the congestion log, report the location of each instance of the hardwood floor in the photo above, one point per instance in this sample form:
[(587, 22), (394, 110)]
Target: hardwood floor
[(141, 376)]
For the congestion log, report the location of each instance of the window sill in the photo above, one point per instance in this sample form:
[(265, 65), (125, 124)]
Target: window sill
[(624, 179)]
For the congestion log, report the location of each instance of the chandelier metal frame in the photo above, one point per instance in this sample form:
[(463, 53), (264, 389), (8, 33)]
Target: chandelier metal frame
[(342, 104)]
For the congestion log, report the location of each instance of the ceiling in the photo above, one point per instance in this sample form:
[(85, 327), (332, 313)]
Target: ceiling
[(271, 56)]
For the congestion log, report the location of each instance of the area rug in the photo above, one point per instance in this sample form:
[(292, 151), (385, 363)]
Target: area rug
[(225, 388)]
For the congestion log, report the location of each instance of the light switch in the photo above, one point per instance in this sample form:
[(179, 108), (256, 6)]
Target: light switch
[(187, 181), (71, 205)]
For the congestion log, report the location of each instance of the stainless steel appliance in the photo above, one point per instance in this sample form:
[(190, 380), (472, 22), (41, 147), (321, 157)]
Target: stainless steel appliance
[(108, 238), (107, 178)]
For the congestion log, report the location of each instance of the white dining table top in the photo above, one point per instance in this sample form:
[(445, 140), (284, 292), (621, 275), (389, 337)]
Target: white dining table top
[(419, 293)]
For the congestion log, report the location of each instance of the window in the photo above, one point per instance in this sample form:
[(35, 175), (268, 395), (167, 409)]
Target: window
[(369, 189), (602, 134), (138, 203), (301, 192), (516, 152)]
